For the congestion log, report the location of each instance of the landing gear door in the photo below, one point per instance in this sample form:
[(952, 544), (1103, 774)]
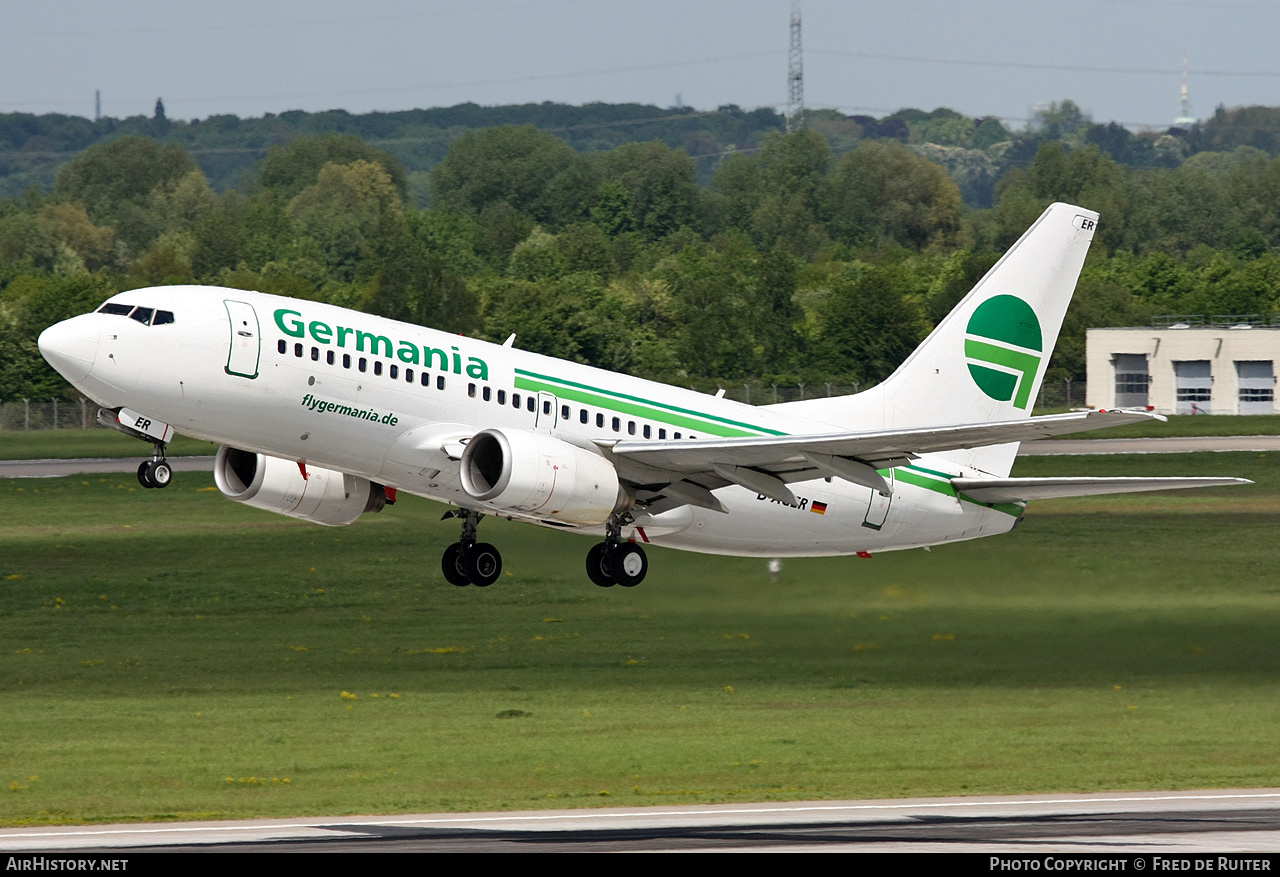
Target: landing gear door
[(547, 411), (878, 511), (246, 347)]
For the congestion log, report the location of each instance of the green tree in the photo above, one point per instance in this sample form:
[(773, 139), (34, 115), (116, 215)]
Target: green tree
[(882, 193), (520, 167), (352, 212), (287, 170), (107, 176)]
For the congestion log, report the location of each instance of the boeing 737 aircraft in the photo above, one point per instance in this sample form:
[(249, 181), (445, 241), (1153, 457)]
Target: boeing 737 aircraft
[(324, 413)]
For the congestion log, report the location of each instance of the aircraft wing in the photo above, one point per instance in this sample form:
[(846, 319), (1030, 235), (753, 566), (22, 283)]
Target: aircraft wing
[(879, 448), (1022, 489), (673, 473)]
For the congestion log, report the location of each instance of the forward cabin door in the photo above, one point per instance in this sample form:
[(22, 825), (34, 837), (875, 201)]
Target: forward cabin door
[(246, 345)]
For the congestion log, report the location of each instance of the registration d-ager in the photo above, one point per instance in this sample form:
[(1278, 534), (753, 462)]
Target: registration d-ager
[(324, 414)]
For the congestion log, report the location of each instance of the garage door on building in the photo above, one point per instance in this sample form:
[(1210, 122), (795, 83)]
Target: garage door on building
[(1132, 380), (1193, 380), (1257, 386)]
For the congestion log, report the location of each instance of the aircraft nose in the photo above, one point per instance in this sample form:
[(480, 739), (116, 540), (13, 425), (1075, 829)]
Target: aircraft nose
[(70, 346)]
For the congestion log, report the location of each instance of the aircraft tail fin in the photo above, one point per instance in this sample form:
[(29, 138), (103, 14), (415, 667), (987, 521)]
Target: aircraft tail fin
[(986, 359)]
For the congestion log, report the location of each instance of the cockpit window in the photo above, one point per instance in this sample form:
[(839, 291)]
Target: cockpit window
[(115, 308), (142, 315), (161, 318)]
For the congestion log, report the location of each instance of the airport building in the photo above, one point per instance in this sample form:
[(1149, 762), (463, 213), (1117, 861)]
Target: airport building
[(1225, 364)]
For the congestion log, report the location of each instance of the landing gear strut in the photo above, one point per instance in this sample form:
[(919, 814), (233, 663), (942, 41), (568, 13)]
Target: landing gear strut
[(614, 562), (468, 562), (155, 472)]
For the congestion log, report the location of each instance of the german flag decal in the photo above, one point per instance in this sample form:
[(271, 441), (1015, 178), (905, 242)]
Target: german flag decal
[(818, 508)]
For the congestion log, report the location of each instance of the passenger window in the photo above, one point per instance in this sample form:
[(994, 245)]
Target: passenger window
[(599, 420), (564, 412), (675, 435), (162, 318), (531, 405), (315, 354), (617, 424), (142, 315), (582, 415), (281, 346), (471, 390), (408, 376), (486, 393), (662, 433), (330, 356), (297, 350), (377, 367), (515, 400), (395, 372), (426, 380), (364, 364), (439, 382), (502, 397), (646, 431), (346, 360)]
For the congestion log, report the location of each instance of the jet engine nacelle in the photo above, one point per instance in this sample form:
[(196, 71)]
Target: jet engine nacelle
[(334, 499), (531, 473)]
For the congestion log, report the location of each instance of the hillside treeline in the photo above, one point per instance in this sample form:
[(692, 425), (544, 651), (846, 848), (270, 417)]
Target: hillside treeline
[(792, 263)]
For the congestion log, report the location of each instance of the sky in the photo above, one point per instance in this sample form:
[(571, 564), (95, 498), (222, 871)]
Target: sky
[(1120, 60)]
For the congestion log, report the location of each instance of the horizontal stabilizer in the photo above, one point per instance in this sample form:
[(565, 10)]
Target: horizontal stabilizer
[(1015, 489)]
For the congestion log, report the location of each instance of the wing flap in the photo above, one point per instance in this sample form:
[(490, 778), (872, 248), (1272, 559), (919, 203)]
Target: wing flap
[(877, 449), (1023, 489)]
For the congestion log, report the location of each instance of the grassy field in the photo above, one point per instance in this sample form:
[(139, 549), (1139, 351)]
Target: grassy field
[(1186, 424), (170, 654)]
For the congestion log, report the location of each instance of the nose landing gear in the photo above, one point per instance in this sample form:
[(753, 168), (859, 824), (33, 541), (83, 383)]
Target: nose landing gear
[(155, 472)]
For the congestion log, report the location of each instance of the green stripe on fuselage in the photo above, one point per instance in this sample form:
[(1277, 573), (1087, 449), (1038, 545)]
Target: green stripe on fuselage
[(637, 406), (914, 475)]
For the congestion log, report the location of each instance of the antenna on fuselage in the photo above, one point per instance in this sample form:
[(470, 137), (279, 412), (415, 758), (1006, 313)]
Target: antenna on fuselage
[(511, 339)]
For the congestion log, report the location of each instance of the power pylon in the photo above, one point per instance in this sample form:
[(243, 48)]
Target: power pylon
[(795, 74)]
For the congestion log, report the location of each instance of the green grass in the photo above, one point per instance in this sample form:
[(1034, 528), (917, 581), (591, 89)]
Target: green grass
[(63, 444), (170, 654), (1187, 424)]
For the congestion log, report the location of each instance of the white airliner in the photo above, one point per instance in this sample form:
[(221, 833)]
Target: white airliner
[(324, 413)]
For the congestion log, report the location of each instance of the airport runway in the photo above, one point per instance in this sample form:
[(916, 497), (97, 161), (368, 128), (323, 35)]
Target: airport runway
[(1222, 821), (1047, 447), (1171, 445), (95, 466)]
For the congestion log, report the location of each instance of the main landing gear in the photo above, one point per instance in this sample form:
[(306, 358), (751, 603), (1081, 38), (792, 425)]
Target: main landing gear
[(468, 562), (155, 472), (614, 562)]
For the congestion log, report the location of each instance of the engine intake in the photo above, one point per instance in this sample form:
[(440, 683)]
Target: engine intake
[(531, 473), (325, 496)]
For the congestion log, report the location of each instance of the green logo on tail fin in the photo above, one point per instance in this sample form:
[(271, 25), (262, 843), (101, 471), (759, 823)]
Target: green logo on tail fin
[(1003, 348)]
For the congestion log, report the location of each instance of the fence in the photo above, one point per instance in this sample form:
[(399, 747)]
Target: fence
[(25, 414)]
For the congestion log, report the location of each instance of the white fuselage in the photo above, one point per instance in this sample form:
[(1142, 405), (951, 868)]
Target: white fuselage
[(392, 402)]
